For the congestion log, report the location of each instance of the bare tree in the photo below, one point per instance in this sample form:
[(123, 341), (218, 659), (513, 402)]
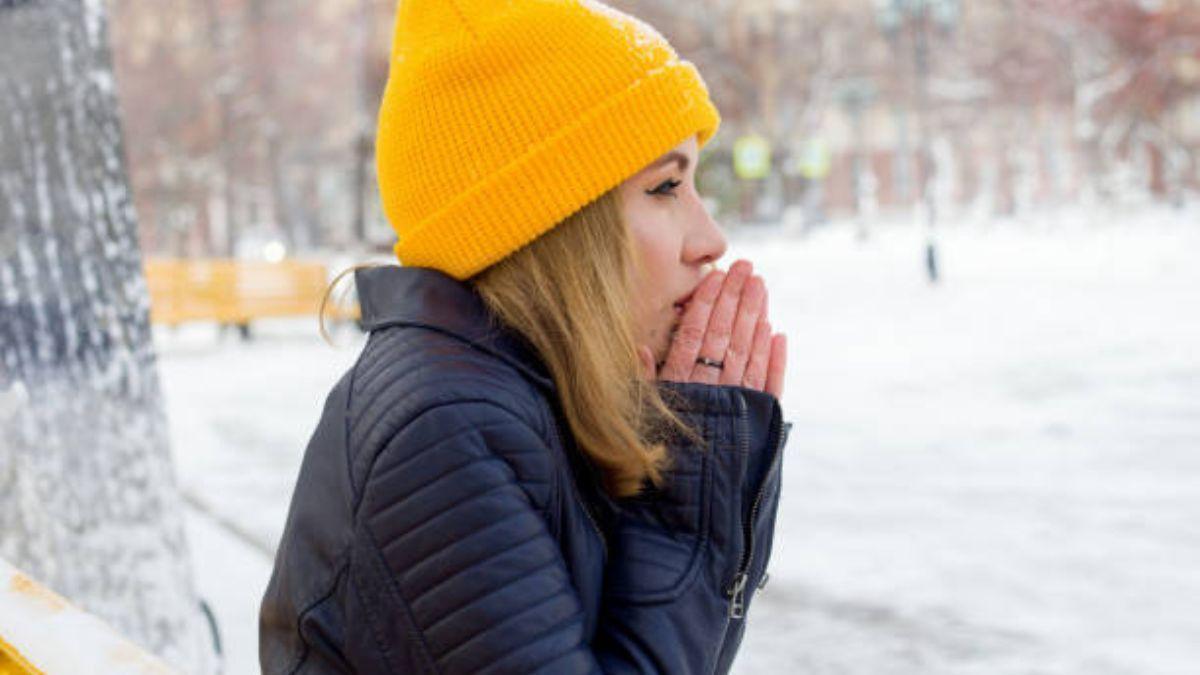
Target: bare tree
[(88, 499), (1133, 66)]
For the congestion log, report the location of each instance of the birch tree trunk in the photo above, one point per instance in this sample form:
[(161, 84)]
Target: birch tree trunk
[(88, 499)]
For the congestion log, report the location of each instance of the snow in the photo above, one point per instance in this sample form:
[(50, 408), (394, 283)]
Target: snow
[(231, 577), (996, 475), (33, 621), (240, 416)]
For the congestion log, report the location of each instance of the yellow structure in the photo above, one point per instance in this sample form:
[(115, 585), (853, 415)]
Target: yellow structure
[(43, 633), (236, 291)]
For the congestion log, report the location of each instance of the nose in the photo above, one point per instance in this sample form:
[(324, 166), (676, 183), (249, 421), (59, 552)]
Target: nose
[(706, 242)]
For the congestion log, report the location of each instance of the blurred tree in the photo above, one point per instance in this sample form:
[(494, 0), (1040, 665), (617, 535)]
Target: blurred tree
[(252, 118), (245, 115), (88, 499), (1137, 63), (772, 67)]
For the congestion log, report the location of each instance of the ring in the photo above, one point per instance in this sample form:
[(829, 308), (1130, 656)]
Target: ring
[(709, 362)]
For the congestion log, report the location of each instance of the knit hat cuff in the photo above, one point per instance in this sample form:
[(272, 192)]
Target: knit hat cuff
[(566, 171)]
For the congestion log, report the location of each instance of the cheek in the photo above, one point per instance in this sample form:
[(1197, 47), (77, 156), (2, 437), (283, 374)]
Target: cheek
[(659, 256), (658, 246), (655, 315), (658, 260), (659, 242)]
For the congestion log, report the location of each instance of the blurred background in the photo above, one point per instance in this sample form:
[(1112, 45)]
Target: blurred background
[(251, 121), (979, 222)]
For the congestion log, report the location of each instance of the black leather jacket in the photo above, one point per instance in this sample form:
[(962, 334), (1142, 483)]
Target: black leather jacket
[(443, 521)]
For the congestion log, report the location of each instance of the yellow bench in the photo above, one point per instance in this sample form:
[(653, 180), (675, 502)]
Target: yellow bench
[(41, 633), (237, 292)]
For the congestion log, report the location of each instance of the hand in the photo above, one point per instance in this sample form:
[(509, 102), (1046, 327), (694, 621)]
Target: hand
[(726, 320)]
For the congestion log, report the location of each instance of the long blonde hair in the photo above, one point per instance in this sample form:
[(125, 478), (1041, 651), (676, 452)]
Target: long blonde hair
[(570, 294)]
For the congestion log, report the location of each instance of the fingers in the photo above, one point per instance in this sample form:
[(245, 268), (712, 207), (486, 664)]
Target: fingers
[(726, 320), (681, 356), (760, 356), (721, 322), (777, 366), (749, 312), (646, 359)]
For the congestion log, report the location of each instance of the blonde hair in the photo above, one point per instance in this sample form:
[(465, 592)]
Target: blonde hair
[(569, 293)]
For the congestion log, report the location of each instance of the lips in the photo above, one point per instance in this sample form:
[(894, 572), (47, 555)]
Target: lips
[(682, 303)]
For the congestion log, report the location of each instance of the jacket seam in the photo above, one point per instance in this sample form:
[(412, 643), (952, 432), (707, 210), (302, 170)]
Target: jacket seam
[(698, 554), (395, 340), (452, 614), (390, 579), (384, 395), (524, 370), (354, 491), (554, 502), (486, 401), (387, 471), (388, 342), (380, 643), (564, 463), (377, 552), (309, 605)]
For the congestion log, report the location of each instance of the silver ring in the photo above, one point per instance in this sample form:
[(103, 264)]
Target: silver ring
[(709, 362)]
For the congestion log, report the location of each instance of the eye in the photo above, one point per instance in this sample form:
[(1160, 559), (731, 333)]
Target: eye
[(666, 188)]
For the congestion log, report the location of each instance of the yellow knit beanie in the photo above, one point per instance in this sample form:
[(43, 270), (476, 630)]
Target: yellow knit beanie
[(503, 117)]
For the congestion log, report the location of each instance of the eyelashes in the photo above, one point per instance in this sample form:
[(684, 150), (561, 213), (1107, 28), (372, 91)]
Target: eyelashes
[(666, 188)]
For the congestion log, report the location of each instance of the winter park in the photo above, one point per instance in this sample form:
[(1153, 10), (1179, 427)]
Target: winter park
[(977, 225)]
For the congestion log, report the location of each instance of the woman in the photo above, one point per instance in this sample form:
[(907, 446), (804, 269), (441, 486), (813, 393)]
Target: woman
[(560, 449)]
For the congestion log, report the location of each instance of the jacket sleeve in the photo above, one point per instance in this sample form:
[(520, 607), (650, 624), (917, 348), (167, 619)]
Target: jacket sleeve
[(467, 575), (687, 559)]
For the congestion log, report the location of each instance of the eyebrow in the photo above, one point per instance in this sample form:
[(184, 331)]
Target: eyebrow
[(673, 156)]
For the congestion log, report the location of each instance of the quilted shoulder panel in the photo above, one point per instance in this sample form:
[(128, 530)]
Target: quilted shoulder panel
[(407, 370), (469, 554)]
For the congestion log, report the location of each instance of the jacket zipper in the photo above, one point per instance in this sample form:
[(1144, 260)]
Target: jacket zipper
[(737, 589)]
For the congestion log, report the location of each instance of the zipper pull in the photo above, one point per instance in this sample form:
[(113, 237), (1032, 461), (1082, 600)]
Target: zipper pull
[(737, 595)]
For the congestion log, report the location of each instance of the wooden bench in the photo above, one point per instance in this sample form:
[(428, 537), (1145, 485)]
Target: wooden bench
[(236, 292), (41, 633)]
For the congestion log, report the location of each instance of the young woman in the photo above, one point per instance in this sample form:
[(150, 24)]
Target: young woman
[(560, 449)]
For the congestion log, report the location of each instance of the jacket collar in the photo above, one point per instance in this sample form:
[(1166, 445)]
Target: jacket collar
[(393, 295)]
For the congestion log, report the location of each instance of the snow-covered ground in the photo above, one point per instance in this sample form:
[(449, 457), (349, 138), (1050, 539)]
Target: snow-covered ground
[(998, 475)]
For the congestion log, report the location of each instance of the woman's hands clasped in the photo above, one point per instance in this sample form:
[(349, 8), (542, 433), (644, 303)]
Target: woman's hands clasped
[(725, 323)]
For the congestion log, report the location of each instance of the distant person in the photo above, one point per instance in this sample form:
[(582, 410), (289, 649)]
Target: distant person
[(560, 449)]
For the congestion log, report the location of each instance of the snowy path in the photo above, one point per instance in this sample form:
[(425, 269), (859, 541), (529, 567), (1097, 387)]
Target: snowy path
[(240, 417), (1000, 475)]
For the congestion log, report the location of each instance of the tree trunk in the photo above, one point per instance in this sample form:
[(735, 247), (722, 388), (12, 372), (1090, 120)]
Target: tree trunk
[(88, 499)]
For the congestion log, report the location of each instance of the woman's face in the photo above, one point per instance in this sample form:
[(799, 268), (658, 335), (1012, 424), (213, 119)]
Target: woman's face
[(676, 237)]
